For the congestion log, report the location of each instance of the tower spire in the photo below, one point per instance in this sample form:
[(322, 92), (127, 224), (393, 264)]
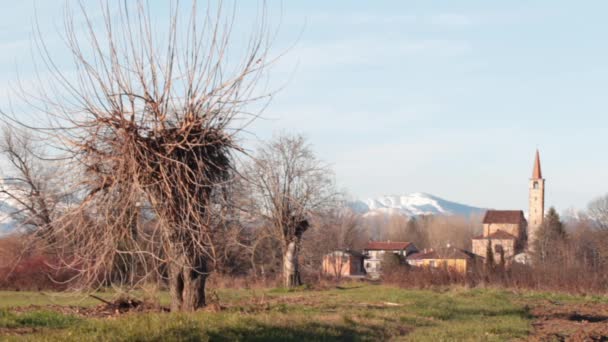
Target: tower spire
[(536, 173)]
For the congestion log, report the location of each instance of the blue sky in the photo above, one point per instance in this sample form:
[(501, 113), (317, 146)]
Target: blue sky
[(450, 98)]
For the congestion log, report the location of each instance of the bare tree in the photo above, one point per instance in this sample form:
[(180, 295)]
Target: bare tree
[(150, 124), (29, 183), (598, 212), (289, 186)]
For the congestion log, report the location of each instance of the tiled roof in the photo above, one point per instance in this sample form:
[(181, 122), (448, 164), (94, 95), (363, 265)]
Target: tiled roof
[(443, 253), (498, 235), (504, 216), (387, 245)]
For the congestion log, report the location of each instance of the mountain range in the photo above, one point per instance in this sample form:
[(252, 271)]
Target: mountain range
[(414, 204)]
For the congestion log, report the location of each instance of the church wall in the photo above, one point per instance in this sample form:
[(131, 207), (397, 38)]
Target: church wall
[(511, 228), (480, 248)]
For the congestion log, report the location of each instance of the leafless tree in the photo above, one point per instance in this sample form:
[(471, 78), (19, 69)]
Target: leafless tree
[(598, 212), (288, 187), (32, 185), (149, 119)]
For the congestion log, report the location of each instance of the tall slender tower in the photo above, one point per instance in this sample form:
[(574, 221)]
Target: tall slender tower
[(537, 201)]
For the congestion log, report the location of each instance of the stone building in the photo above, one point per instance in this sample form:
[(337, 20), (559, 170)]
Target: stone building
[(507, 231)]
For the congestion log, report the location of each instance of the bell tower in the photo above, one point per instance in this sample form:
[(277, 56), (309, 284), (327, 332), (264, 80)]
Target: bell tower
[(536, 211)]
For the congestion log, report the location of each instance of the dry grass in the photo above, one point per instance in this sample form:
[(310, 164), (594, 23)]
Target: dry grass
[(354, 311)]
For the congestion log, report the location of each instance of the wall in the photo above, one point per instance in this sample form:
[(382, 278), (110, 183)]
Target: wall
[(480, 248), (459, 265)]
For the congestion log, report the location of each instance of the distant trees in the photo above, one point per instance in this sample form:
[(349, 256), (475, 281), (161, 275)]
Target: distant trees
[(30, 183), (392, 262), (598, 212), (430, 231), (288, 187), (550, 238), (415, 232), (490, 262)]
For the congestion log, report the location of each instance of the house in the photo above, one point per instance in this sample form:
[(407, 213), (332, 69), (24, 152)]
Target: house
[(343, 263), (505, 231), (375, 251), (451, 258)]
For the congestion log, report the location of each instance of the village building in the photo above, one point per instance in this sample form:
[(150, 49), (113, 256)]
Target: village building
[(507, 232), (449, 258), (344, 263), (376, 250)]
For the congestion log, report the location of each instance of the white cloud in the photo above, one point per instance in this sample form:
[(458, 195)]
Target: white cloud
[(366, 52)]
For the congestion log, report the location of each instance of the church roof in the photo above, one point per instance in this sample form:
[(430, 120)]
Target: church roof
[(504, 216), (497, 235), (536, 173)]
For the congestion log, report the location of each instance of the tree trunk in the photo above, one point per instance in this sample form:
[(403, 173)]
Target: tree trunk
[(176, 286), (187, 285), (291, 274), (195, 279)]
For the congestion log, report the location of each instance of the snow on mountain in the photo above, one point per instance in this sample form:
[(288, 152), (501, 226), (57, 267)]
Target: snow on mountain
[(414, 204)]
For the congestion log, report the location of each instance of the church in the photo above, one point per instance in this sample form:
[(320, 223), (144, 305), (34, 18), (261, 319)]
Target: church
[(507, 231)]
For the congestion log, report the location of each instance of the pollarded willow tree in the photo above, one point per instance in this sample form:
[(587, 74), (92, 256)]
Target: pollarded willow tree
[(149, 118), (288, 187)]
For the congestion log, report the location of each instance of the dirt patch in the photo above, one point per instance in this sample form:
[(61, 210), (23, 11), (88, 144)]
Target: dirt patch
[(570, 322), (103, 310)]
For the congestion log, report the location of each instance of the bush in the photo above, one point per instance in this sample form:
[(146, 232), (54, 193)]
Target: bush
[(33, 272)]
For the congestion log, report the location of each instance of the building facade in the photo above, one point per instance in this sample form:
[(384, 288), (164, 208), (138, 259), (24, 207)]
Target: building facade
[(346, 263), (375, 250), (449, 258)]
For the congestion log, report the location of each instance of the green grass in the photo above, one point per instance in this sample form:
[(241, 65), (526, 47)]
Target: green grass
[(353, 313)]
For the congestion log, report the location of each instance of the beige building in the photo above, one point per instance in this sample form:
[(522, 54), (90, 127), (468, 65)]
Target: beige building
[(450, 258)]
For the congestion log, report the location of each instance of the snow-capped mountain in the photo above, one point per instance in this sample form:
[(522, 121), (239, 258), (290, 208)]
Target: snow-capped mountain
[(414, 204)]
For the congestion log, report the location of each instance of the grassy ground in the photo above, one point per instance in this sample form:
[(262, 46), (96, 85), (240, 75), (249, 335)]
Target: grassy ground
[(355, 312)]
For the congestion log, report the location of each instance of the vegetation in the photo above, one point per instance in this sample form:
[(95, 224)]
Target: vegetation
[(353, 312)]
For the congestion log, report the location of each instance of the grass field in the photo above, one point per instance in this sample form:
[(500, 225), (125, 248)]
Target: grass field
[(354, 312)]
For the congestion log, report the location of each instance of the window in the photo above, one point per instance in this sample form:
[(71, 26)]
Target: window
[(433, 263), (535, 185)]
